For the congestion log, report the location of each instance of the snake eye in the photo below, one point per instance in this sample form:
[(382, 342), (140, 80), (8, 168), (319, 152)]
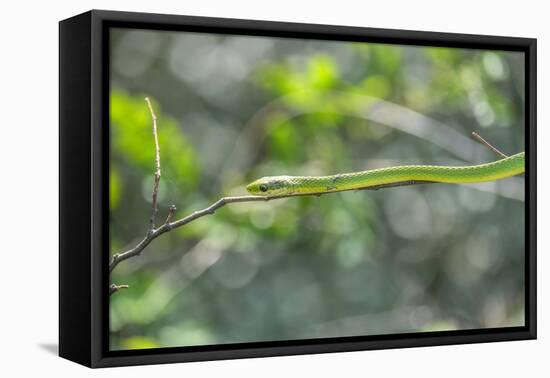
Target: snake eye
[(263, 187)]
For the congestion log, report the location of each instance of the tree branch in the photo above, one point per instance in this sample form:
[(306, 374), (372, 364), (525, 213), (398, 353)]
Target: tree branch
[(484, 142), (156, 181), (114, 288)]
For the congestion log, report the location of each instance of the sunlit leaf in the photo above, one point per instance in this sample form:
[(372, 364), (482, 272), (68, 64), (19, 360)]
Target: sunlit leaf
[(115, 187), (322, 72), (139, 342)]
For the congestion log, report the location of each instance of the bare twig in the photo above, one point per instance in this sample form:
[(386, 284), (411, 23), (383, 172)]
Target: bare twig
[(114, 288), (156, 181), (171, 211), (481, 140), (168, 225)]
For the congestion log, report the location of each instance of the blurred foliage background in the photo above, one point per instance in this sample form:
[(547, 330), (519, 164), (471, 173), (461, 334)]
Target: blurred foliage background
[(235, 108)]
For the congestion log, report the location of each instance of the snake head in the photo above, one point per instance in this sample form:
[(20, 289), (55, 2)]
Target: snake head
[(270, 186)]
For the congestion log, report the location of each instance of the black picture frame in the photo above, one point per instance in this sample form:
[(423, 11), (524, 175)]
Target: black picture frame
[(83, 182)]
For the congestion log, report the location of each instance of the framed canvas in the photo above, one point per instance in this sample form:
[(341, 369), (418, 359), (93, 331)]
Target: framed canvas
[(235, 188)]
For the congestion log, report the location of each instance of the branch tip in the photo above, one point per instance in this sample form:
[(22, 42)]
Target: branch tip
[(484, 142), (150, 106), (171, 211), (114, 288)]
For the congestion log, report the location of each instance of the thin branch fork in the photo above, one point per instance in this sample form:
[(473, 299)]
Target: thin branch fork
[(169, 225), (113, 288)]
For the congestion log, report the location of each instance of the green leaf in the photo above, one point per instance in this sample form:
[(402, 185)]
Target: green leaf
[(322, 72), (139, 342)]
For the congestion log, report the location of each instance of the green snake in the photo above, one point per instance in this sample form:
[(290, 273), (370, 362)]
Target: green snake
[(390, 176)]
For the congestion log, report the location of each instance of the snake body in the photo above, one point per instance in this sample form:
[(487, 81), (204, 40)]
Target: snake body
[(406, 174)]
